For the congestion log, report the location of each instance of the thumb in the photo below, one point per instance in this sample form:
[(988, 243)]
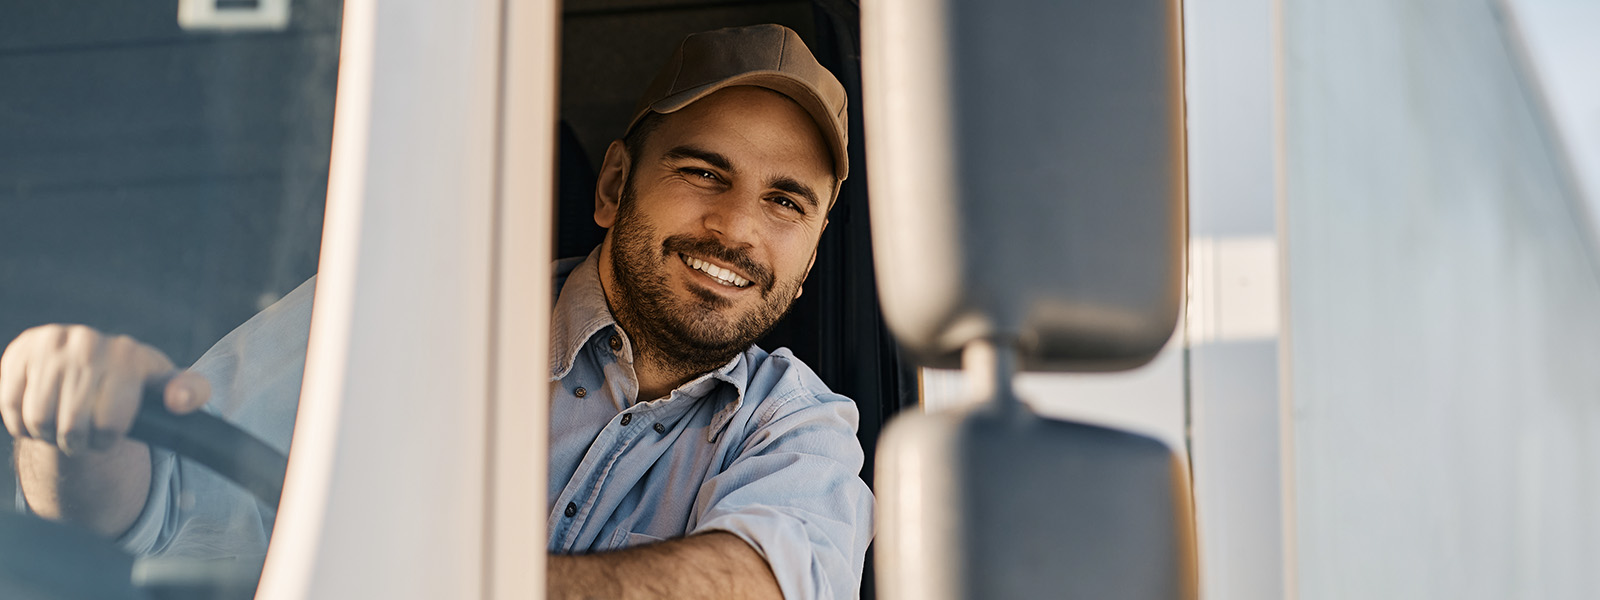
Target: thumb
[(186, 391)]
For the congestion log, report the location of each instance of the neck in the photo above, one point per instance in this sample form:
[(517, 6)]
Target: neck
[(657, 377)]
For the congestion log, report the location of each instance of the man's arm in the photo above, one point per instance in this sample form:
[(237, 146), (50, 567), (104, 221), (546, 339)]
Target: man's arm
[(793, 492), (101, 490), (709, 565), (68, 395)]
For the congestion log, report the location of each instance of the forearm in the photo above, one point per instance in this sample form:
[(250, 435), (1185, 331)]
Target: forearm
[(101, 490), (709, 565)]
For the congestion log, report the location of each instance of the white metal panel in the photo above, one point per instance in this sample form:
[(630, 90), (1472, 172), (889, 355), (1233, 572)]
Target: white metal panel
[(386, 494), (1234, 315), (1445, 317), (519, 416)]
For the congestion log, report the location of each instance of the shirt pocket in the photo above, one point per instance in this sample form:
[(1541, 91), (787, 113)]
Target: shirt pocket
[(640, 539), (628, 539)]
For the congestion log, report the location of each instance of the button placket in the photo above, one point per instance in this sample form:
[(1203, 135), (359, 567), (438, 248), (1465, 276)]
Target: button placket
[(621, 441), (571, 528)]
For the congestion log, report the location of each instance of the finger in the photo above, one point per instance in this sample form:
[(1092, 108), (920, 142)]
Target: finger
[(75, 416), (39, 406), (146, 360), (128, 365), (181, 391), (114, 409), (20, 358), (13, 380), (187, 391), (80, 360)]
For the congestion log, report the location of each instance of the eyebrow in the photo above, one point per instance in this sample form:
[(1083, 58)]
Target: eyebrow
[(784, 184), (788, 184), (711, 158)]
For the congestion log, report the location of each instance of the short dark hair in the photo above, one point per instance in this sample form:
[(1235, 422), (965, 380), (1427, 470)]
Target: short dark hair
[(636, 138)]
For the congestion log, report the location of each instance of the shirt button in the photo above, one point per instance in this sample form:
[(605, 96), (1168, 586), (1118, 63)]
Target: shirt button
[(616, 344), (628, 418), (580, 392), (660, 428), (572, 509)]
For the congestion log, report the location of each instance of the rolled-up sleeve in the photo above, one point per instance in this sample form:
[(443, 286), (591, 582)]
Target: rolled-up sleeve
[(152, 529), (255, 373), (795, 495)]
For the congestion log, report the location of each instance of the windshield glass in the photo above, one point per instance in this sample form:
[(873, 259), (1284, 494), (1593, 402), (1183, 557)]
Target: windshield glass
[(162, 177)]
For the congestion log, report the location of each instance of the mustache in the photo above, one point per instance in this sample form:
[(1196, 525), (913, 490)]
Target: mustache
[(711, 248)]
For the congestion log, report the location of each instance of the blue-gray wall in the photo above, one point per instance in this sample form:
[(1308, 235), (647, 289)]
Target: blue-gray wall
[(157, 182), (153, 181)]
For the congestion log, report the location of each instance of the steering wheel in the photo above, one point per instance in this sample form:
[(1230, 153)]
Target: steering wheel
[(49, 560)]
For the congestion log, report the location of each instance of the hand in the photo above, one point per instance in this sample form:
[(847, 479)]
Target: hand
[(79, 389)]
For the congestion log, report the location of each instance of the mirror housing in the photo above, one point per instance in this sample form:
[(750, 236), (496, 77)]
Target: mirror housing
[(1028, 176)]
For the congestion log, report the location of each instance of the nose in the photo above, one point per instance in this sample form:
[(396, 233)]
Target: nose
[(735, 218)]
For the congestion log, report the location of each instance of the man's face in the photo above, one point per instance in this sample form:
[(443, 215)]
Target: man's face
[(716, 225)]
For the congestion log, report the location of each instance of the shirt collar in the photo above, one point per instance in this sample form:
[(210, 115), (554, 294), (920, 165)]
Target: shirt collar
[(581, 312), (735, 373)]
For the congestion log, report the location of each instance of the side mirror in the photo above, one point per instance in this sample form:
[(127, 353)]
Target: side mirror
[(1027, 195), (1028, 178)]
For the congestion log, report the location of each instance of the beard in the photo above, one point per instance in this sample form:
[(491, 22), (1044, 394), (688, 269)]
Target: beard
[(694, 335)]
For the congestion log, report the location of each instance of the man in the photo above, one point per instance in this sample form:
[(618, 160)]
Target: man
[(684, 461)]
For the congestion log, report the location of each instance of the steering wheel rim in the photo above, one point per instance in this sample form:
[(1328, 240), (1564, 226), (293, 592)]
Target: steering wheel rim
[(219, 445)]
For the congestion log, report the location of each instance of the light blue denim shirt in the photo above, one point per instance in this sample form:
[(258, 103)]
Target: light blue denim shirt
[(758, 448)]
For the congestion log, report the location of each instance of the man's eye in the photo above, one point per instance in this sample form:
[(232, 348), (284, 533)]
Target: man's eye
[(699, 174), (787, 203)]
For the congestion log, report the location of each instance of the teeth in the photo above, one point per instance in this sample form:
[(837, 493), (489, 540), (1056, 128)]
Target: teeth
[(716, 272)]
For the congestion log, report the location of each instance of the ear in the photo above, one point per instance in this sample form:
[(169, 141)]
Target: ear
[(608, 187)]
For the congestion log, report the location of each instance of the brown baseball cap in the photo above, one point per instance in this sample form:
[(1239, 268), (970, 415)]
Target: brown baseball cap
[(768, 56)]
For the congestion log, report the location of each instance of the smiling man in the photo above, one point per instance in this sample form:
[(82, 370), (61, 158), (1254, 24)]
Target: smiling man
[(667, 423), (684, 460)]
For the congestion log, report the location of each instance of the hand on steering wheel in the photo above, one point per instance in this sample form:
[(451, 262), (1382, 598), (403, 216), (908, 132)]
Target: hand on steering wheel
[(78, 388)]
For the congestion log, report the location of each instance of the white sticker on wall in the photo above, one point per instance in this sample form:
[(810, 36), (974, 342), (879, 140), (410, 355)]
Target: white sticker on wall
[(1233, 289), (233, 15)]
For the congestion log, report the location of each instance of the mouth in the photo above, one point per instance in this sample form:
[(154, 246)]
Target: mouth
[(716, 273)]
